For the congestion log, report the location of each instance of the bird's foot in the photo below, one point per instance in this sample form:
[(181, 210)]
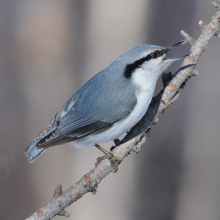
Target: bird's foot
[(115, 161)]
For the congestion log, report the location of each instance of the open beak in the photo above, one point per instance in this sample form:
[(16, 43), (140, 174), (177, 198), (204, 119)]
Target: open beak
[(172, 47), (175, 45)]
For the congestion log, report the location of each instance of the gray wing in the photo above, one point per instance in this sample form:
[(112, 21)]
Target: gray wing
[(100, 103)]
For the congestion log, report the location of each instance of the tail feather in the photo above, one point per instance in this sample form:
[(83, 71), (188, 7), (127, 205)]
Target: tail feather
[(32, 152)]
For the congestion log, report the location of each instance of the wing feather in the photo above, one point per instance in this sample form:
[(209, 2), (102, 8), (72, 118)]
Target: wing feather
[(73, 128), (88, 112)]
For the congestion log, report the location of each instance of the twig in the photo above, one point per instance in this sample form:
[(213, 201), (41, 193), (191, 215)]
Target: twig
[(134, 139)]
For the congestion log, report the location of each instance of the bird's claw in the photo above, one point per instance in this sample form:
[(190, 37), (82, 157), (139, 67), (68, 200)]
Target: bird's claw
[(115, 161)]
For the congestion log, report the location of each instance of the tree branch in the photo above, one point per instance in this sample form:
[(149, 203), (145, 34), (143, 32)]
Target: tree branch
[(135, 138)]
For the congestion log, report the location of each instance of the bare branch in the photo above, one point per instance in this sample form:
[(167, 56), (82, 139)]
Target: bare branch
[(216, 5), (134, 139), (202, 25), (188, 38), (88, 183)]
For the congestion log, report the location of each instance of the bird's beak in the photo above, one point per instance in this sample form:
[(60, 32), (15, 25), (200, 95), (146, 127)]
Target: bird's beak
[(176, 58), (175, 45)]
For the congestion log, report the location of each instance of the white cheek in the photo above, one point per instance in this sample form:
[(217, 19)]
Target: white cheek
[(146, 77)]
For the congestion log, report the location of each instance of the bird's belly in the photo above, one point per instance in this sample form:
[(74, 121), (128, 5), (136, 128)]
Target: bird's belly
[(120, 127)]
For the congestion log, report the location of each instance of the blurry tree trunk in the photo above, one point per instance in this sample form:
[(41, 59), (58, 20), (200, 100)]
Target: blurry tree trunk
[(12, 118), (78, 13)]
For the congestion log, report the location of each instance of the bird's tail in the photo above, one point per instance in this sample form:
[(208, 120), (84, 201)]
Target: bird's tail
[(32, 152)]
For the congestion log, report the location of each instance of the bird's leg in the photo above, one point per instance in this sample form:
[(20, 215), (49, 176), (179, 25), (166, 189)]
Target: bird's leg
[(115, 161)]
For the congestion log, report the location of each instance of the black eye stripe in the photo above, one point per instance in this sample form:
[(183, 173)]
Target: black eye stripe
[(158, 53), (155, 54), (131, 67)]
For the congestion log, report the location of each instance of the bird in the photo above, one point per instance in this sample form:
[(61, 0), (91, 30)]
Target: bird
[(109, 104)]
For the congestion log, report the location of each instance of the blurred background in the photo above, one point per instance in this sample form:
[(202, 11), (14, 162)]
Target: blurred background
[(49, 49)]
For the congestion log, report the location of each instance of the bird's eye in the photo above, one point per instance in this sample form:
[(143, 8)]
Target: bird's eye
[(155, 54)]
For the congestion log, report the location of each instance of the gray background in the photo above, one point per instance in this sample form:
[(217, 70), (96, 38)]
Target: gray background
[(48, 50)]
